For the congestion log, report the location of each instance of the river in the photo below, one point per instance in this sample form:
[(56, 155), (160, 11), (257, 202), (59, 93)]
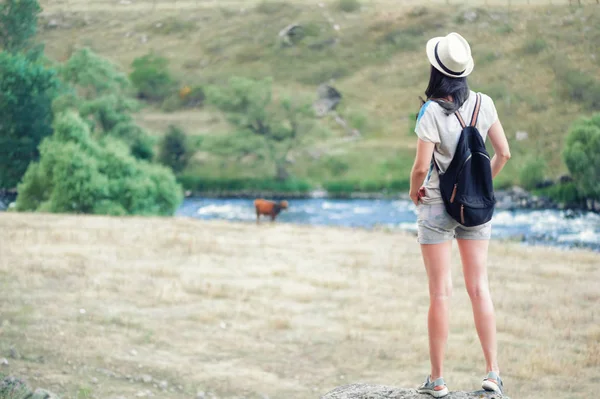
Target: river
[(566, 229)]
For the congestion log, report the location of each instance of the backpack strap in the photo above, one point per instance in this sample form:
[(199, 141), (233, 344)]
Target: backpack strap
[(460, 120), (476, 110), (475, 115)]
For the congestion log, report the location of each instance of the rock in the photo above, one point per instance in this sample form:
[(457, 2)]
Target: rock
[(14, 354), (94, 380), (43, 394), (146, 379), (106, 372), (470, 16), (4, 362), (291, 34), (133, 352), (163, 385), (52, 24), (565, 179), (143, 39), (521, 135), (328, 99), (367, 391), (200, 395)]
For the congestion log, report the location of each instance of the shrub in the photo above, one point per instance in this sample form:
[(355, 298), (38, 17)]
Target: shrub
[(565, 193), (172, 103), (271, 7), (151, 77), (486, 57), (27, 90), (202, 184), (140, 143), (173, 25), (174, 150), (581, 87), (533, 173), (77, 174), (349, 5), (535, 46), (336, 166), (505, 28), (582, 156), (18, 23)]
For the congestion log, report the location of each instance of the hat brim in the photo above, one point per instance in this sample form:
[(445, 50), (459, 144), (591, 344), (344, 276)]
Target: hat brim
[(431, 56)]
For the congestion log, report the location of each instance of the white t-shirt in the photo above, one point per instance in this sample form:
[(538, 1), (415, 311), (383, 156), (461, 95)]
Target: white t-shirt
[(434, 126)]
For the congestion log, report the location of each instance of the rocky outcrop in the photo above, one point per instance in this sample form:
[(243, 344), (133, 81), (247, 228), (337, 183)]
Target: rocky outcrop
[(367, 391), (15, 388)]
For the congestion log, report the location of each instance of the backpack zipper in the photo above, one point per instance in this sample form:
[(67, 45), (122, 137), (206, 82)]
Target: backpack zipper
[(462, 214), (457, 176), (463, 165), (481, 153), (453, 196)]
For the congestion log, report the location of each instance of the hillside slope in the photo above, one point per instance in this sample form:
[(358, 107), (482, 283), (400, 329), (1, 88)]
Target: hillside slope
[(539, 63)]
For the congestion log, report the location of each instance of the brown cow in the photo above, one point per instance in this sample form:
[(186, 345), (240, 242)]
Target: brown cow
[(269, 208)]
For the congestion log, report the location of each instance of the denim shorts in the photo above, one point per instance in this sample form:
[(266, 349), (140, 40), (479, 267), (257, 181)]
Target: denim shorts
[(435, 226)]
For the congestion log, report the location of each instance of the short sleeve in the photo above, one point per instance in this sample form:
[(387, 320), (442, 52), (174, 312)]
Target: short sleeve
[(426, 127), (489, 113)]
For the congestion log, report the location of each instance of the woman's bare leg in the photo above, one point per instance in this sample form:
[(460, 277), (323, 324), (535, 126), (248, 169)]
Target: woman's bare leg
[(474, 259), (437, 263)]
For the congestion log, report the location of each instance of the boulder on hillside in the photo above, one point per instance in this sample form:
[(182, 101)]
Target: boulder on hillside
[(328, 98), (291, 34), (368, 391), (43, 394)]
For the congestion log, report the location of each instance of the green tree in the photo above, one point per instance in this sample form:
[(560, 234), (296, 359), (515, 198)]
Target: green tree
[(18, 23), (151, 77), (174, 150), (102, 96), (27, 89), (582, 156), (281, 125), (78, 174)]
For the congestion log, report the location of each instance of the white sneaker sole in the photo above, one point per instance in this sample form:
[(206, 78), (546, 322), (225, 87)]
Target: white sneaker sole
[(490, 386), (434, 393)]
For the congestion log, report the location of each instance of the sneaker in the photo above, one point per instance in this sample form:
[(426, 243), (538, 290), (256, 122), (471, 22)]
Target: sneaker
[(493, 383), (437, 388)]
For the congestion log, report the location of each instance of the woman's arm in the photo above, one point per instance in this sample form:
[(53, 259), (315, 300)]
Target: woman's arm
[(420, 168), (501, 149)]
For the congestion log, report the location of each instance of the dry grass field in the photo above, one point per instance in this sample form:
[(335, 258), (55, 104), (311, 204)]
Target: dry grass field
[(89, 306)]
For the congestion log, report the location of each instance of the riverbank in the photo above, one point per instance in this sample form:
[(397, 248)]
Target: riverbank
[(172, 307), (511, 199)]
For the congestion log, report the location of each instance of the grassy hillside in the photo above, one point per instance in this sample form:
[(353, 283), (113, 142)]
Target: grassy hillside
[(93, 306), (540, 64)]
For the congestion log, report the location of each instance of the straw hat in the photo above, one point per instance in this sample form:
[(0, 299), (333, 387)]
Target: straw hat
[(451, 55)]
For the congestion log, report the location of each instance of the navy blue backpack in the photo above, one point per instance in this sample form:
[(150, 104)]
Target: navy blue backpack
[(466, 186)]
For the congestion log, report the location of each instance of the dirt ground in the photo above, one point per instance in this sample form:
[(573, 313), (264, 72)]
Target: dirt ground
[(96, 307)]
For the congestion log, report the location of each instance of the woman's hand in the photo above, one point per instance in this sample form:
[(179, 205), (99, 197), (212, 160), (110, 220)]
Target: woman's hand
[(416, 196)]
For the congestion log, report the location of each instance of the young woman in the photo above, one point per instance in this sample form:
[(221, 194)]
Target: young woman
[(438, 131)]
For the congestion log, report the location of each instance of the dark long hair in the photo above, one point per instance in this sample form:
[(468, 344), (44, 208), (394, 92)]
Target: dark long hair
[(442, 86)]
